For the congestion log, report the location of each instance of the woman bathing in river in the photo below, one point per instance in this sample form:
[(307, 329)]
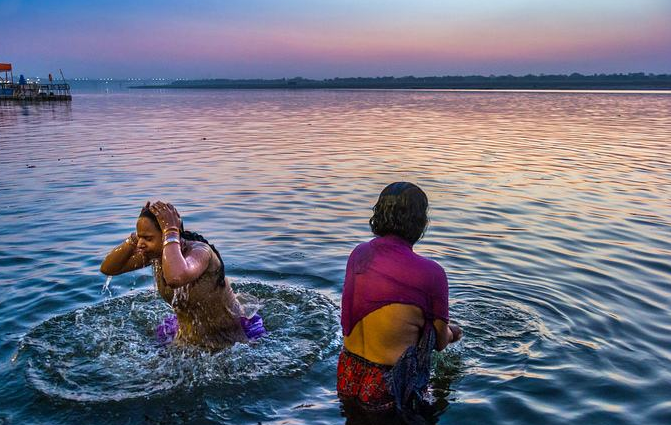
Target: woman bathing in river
[(394, 308), (190, 277)]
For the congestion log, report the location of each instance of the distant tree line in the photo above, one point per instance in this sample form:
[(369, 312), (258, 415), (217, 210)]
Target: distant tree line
[(638, 80)]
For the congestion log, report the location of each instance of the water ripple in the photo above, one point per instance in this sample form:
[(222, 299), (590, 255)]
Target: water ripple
[(549, 211)]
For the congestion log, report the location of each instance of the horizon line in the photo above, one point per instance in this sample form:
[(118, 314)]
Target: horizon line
[(298, 77)]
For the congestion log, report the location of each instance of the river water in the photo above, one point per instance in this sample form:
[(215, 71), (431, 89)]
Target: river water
[(551, 213)]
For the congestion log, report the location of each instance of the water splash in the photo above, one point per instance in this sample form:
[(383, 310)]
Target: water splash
[(106, 286), (109, 351), (249, 305)]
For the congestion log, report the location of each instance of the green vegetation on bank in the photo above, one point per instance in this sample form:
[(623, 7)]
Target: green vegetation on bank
[(575, 81)]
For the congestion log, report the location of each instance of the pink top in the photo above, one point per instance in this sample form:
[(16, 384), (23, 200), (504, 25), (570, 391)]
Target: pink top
[(386, 271)]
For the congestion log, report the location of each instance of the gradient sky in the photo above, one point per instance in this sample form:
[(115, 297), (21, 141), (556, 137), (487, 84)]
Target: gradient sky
[(333, 38)]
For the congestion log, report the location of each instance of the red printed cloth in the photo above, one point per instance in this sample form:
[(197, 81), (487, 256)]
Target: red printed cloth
[(364, 381)]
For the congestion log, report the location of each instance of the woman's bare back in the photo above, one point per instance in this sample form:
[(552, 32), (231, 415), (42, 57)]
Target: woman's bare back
[(383, 335)]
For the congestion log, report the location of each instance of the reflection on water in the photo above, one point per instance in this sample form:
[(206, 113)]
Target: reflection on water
[(549, 211), (41, 111)]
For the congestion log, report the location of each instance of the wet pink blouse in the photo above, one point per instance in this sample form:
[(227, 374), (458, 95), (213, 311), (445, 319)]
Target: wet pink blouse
[(386, 271)]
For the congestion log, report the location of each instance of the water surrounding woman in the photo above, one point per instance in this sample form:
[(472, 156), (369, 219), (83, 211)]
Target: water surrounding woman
[(190, 276), (394, 308)]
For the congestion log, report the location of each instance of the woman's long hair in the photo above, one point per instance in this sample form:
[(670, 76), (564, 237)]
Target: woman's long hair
[(189, 236), (401, 210)]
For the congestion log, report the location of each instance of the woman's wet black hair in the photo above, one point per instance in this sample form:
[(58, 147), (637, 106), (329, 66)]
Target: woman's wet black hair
[(401, 210), (189, 236)]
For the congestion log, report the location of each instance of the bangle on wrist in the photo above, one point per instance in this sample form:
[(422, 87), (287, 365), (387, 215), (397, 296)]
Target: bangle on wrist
[(171, 229), (170, 239)]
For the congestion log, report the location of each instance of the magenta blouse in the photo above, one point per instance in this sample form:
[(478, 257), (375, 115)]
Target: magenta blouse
[(386, 271)]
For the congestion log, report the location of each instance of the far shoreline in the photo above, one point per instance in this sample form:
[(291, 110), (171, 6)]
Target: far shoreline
[(608, 82), (453, 90)]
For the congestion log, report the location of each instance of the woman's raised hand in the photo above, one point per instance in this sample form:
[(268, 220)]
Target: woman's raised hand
[(132, 239), (167, 215)]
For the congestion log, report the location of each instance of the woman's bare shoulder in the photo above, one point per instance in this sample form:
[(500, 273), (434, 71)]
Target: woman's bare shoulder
[(193, 246)]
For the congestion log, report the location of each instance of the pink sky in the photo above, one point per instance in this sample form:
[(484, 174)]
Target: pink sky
[(521, 38)]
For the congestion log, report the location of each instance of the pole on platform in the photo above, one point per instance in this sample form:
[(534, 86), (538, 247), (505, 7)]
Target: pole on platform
[(62, 77)]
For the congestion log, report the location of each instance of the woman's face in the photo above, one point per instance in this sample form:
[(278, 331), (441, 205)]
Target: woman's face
[(149, 238)]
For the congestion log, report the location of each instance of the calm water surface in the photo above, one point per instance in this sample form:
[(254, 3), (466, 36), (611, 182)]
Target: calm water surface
[(551, 213)]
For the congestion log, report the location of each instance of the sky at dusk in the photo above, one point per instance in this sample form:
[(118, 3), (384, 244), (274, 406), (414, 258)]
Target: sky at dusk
[(333, 38)]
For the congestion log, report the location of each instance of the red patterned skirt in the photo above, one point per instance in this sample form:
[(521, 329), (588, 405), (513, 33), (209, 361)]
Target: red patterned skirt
[(363, 381)]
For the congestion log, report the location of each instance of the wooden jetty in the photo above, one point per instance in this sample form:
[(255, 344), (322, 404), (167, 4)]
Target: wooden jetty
[(30, 91)]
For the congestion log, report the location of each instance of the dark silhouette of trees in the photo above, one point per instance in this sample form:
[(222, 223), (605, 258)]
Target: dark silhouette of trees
[(575, 81)]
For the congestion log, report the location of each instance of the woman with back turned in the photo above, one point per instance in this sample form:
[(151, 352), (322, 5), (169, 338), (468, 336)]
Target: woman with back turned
[(394, 309), (189, 276)]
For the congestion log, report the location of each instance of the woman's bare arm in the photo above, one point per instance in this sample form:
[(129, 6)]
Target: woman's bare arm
[(446, 333), (123, 258), (178, 269)]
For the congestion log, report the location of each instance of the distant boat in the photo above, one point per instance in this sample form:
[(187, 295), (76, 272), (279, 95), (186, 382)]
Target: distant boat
[(24, 90)]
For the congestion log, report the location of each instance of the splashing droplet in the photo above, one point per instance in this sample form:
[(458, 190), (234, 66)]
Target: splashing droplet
[(106, 286)]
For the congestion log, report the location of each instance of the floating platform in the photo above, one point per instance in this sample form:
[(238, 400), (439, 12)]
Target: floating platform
[(31, 91)]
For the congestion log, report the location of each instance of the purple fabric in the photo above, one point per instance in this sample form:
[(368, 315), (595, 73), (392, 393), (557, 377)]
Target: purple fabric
[(386, 271), (253, 327), (167, 330)]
